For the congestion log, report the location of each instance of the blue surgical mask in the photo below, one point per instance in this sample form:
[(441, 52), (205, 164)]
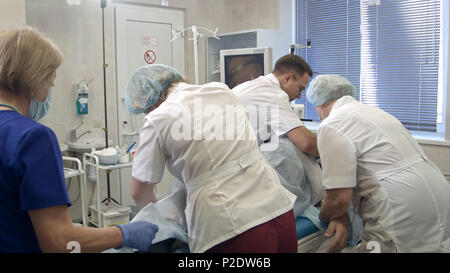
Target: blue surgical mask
[(38, 109)]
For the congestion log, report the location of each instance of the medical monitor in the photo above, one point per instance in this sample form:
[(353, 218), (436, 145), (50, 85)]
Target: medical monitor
[(244, 64)]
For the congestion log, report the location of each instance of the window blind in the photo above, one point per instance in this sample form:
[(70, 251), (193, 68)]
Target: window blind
[(333, 26), (400, 59), (388, 49)]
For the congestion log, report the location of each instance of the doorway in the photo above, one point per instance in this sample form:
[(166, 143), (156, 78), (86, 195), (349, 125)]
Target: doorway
[(143, 36)]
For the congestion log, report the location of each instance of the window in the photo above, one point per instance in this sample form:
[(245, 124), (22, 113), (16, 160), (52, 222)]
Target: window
[(333, 28), (388, 49)]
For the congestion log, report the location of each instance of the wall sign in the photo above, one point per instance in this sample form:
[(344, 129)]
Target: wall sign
[(150, 56)]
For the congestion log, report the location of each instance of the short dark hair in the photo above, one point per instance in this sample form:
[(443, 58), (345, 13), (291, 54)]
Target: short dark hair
[(291, 62)]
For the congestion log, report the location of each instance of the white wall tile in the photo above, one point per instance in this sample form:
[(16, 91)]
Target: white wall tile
[(12, 13)]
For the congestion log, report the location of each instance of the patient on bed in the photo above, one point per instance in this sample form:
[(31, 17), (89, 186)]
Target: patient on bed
[(298, 172), (301, 174)]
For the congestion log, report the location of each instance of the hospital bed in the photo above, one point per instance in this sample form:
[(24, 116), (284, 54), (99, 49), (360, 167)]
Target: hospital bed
[(299, 173), (312, 240), (172, 238), (308, 235)]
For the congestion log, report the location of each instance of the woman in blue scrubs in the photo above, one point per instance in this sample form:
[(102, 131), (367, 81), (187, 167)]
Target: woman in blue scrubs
[(34, 214)]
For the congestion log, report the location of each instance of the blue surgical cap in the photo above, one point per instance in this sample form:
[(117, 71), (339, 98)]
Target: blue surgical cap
[(146, 85), (325, 88)]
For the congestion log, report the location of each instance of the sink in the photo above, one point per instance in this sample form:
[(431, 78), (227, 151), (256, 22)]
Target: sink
[(63, 147), (86, 144)]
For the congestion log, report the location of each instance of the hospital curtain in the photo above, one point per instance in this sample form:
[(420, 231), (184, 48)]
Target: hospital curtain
[(388, 49), (333, 28)]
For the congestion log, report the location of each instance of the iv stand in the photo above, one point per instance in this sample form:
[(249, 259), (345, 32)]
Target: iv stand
[(195, 34), (108, 179), (294, 46)]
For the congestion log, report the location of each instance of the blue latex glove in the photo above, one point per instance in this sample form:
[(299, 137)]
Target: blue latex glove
[(138, 235)]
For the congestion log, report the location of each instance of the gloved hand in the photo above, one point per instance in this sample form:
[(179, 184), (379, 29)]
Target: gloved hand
[(138, 235)]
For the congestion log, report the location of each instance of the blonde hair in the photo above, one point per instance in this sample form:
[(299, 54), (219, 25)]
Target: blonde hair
[(28, 59)]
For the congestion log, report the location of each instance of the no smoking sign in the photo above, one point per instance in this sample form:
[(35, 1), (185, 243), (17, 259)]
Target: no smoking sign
[(150, 56)]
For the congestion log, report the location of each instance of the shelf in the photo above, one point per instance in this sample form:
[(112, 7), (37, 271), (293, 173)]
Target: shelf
[(92, 221), (69, 173), (92, 160), (111, 167)]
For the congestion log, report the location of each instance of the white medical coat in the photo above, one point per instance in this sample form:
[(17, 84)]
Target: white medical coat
[(268, 107), (194, 132), (401, 196)]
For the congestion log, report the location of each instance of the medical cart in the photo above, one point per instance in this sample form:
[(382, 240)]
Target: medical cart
[(109, 211)]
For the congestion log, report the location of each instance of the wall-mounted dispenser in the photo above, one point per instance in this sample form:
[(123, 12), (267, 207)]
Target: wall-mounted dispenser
[(82, 98)]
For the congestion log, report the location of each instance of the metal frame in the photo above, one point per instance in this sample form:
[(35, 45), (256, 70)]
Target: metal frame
[(92, 160), (69, 173)]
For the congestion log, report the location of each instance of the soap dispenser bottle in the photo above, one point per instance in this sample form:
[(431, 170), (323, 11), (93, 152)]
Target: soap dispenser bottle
[(82, 99)]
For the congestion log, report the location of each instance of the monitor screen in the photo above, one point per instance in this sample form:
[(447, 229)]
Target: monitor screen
[(242, 68)]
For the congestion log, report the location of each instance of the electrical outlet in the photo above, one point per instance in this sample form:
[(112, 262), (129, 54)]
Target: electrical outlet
[(97, 123)]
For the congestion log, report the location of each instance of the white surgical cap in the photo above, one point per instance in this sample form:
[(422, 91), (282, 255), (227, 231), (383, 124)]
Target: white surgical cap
[(146, 85), (325, 88)]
